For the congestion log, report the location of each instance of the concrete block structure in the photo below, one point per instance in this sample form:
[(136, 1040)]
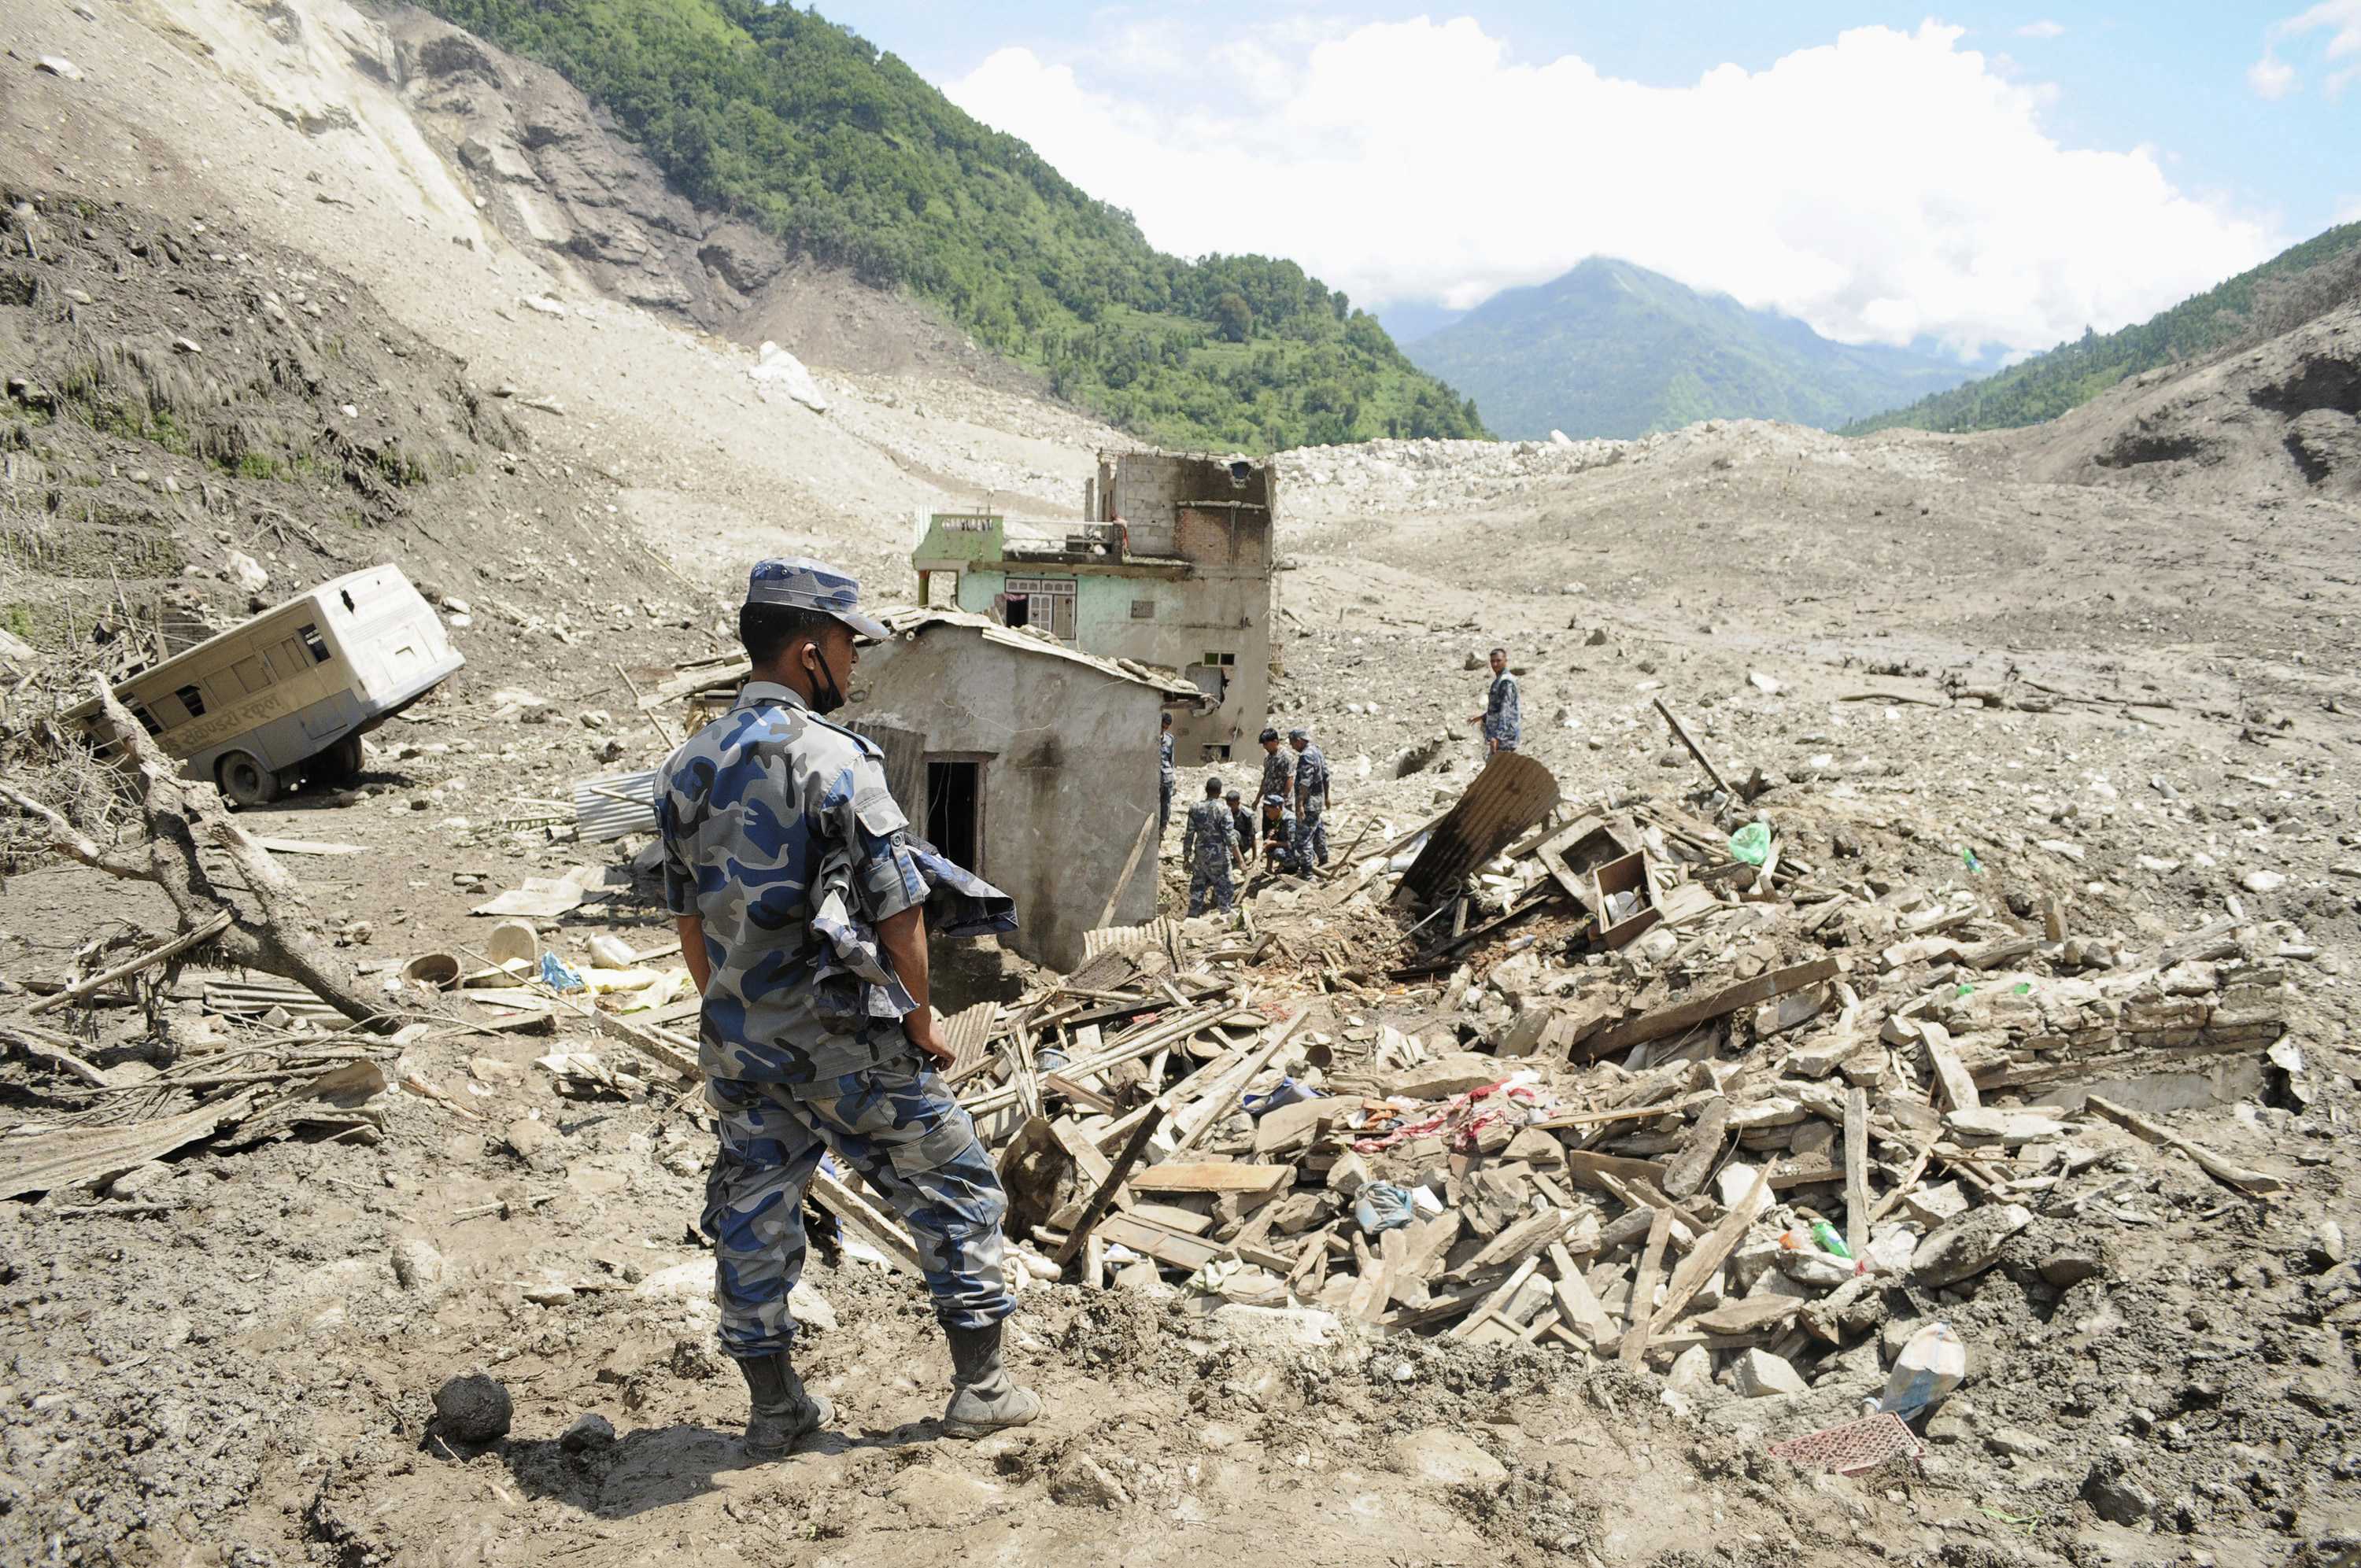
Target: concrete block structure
[(1029, 762), (1170, 568)]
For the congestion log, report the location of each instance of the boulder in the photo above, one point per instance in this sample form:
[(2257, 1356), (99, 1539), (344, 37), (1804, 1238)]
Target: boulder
[(1445, 1457), (1760, 1375), (1966, 1246), (473, 1409)]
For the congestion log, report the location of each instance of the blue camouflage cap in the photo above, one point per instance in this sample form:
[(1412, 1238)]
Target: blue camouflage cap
[(800, 582), (1274, 800), (1298, 734)]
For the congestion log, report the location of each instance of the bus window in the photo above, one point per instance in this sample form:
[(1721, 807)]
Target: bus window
[(251, 675), (313, 644), (147, 720), (192, 699)]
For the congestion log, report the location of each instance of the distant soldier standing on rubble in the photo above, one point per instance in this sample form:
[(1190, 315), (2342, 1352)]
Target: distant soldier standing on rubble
[(1310, 801), (1277, 767), (1165, 777), (1503, 722), (800, 902), (1209, 843)]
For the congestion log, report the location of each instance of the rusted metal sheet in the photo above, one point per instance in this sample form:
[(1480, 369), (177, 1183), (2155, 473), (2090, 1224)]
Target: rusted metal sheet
[(1511, 795)]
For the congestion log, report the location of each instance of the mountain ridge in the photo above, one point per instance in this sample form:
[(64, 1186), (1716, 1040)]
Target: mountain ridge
[(1610, 348), (2265, 302), (843, 153)]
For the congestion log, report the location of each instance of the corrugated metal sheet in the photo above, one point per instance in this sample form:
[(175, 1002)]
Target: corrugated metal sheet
[(903, 620), (1126, 938), (609, 807), (1508, 796)]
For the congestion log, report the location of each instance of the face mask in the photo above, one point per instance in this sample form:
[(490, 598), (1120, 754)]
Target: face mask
[(826, 698)]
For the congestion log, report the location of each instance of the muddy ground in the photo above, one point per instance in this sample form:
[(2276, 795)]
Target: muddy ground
[(240, 1371)]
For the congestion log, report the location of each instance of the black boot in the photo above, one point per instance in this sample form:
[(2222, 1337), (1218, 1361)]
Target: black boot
[(984, 1399), (783, 1411)]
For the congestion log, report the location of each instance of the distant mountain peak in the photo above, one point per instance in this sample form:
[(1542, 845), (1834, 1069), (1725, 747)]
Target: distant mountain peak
[(1611, 348)]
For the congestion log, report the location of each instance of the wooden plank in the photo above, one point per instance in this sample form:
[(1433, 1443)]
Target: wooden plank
[(1750, 1316), (1688, 1015), (1090, 1100), (1638, 1323), (1856, 1159), (1711, 1253), (1188, 1222), (1688, 1170), (156, 954), (1958, 1088), (1100, 1200), (2253, 1183), (1497, 1299), (1576, 1304), (1169, 1247), (1695, 750), (307, 847), (876, 1228), (1585, 1167), (1095, 1166), (657, 1045), (1213, 1176)]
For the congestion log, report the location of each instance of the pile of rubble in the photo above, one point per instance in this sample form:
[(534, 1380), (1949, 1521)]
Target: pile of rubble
[(1726, 1136)]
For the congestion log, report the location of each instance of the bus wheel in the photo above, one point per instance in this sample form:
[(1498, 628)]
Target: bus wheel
[(342, 762), (245, 781)]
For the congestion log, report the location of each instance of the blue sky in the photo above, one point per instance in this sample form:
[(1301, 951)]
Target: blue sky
[(1993, 176)]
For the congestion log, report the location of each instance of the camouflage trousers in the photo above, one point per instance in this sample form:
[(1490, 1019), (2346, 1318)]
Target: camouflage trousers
[(1312, 839), (900, 1128), (1163, 807), (1212, 884)]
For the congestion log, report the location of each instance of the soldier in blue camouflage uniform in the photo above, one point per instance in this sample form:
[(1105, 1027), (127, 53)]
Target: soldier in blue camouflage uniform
[(801, 902), (1165, 778), (1277, 767), (1503, 719), (1311, 802), (1210, 845), (1277, 834)]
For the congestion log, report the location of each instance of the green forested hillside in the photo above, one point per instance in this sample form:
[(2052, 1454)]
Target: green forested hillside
[(2282, 294), (1616, 350), (848, 156)]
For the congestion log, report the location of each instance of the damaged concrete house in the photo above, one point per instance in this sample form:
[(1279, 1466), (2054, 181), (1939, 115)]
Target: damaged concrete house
[(1029, 762), (1169, 567)]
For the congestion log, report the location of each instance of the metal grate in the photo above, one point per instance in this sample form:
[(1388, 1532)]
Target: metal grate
[(1851, 1448)]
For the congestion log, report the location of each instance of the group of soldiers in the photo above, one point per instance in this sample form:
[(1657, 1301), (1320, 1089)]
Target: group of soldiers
[(1290, 835)]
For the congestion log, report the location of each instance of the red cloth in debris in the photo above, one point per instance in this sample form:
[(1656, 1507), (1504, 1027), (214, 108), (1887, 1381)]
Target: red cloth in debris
[(1460, 1118)]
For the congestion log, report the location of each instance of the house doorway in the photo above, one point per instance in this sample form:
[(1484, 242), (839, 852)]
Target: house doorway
[(955, 810)]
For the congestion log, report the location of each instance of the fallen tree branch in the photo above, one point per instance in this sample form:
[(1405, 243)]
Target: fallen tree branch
[(171, 949)]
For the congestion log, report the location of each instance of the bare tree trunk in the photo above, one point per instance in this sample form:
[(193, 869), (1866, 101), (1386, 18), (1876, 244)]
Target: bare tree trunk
[(279, 937)]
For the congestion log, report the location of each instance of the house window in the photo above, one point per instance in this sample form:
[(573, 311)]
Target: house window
[(1212, 753), (1143, 610), (1049, 604), (955, 810)]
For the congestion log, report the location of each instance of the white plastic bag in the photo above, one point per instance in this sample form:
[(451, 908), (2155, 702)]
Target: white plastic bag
[(1930, 1365)]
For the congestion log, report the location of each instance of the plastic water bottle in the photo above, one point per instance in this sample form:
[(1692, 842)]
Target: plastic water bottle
[(1825, 1236), (1930, 1365)]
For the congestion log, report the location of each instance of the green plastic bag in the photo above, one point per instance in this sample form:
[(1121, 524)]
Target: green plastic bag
[(1752, 844)]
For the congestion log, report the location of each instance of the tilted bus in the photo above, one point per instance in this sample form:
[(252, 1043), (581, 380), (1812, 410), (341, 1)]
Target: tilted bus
[(289, 694)]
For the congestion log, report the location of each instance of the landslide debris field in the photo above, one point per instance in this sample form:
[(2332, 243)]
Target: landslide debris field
[(2051, 731)]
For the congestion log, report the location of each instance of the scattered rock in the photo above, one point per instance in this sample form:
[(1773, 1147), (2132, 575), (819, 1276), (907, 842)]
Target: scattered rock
[(2070, 1266), (58, 65), (2325, 1247), (2015, 1442), (417, 1266), (1759, 1374), (142, 1180), (1081, 1482), (2118, 1498), (2262, 881), (1968, 1246), (590, 1432), (536, 1143), (1445, 1457), (473, 1409)]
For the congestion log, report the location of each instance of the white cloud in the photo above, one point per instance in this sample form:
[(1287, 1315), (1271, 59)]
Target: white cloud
[(2348, 210), (2340, 19), (2271, 77), (2044, 29), (1884, 186)]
